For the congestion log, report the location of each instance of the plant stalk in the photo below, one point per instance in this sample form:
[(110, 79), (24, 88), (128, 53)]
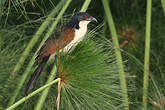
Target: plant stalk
[(163, 6), (1, 8), (147, 54), (117, 52), (45, 92), (32, 94), (85, 5)]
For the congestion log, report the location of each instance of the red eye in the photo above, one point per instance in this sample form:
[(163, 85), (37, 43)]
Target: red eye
[(85, 17)]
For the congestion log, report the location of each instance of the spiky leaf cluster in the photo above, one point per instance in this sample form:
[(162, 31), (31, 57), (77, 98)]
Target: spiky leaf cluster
[(89, 77)]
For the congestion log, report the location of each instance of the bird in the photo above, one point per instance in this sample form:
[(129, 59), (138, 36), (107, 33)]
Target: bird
[(62, 40)]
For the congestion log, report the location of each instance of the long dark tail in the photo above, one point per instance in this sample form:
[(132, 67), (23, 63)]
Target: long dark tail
[(35, 75)]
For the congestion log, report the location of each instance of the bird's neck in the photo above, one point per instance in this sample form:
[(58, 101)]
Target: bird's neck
[(80, 29), (79, 33)]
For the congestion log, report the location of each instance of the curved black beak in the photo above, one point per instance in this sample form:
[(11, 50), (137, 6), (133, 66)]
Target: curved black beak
[(92, 19)]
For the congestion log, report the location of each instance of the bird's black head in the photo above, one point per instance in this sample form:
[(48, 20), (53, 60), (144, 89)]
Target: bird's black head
[(81, 16)]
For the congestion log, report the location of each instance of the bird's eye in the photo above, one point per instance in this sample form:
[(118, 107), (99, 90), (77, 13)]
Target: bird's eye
[(85, 17)]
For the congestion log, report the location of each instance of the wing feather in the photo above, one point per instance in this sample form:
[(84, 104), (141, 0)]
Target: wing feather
[(55, 42)]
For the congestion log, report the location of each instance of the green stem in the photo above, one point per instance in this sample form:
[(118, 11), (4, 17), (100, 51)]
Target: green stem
[(28, 69), (36, 37), (85, 5), (163, 5), (147, 54), (32, 94), (118, 53), (45, 92), (53, 72), (1, 6)]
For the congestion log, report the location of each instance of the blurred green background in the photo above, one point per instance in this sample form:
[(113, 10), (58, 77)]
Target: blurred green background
[(20, 20)]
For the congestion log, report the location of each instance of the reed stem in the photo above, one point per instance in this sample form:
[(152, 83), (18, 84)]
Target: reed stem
[(147, 54), (117, 52), (32, 94), (163, 6)]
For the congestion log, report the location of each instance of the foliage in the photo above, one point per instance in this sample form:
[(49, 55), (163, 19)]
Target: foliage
[(87, 84)]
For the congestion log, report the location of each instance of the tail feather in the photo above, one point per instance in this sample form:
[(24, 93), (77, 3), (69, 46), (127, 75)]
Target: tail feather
[(35, 75)]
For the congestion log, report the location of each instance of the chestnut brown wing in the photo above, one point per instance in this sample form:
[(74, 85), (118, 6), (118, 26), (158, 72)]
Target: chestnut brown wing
[(56, 42)]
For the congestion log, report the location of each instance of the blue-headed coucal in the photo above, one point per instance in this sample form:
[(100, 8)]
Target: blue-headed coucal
[(70, 35)]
